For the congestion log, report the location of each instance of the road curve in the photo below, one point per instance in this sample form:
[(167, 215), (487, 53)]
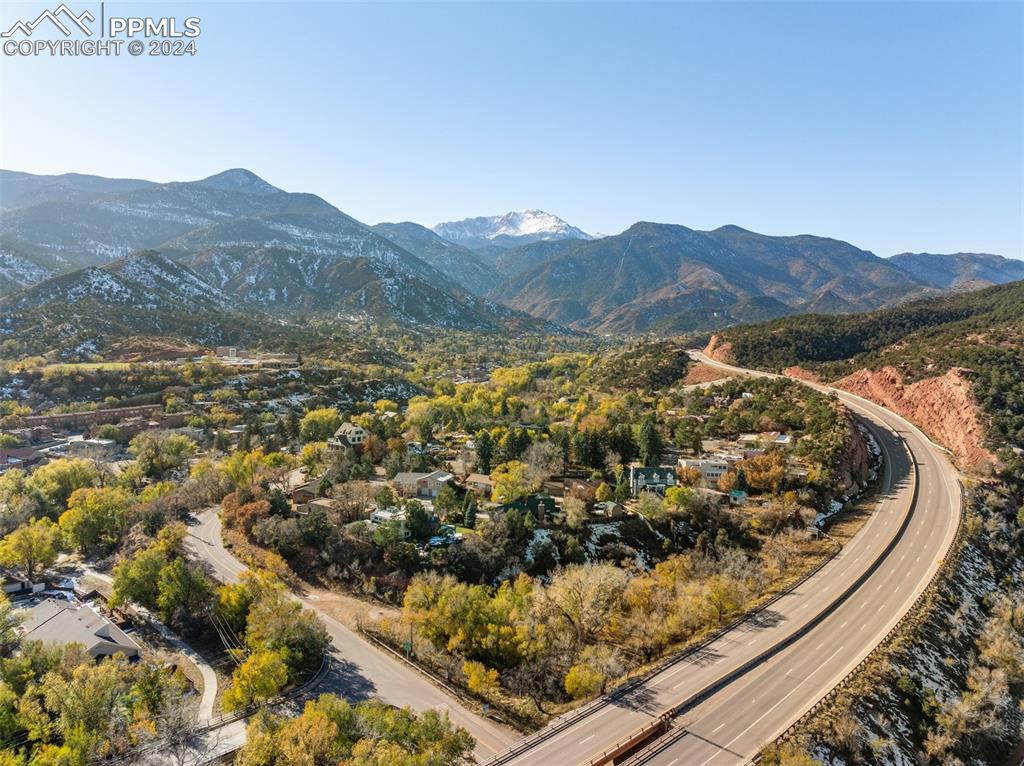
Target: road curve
[(359, 671), (752, 683)]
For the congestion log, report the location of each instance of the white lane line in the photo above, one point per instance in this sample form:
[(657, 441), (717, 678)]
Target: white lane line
[(587, 739), (730, 743), (718, 728)]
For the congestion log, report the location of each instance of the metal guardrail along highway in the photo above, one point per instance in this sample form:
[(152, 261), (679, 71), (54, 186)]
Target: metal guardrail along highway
[(621, 721)]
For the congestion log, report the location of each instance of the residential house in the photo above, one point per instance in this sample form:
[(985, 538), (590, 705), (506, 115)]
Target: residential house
[(19, 457), (608, 509), (326, 504), (711, 469), (540, 505), (59, 622), (15, 587), (651, 479), (348, 436), (480, 484), (583, 489), (303, 493), (738, 497), (426, 485), (384, 515)]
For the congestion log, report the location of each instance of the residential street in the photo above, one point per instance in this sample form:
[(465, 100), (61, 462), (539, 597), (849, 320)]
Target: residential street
[(360, 670)]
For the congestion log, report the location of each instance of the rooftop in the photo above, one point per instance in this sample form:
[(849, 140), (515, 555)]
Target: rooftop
[(58, 622)]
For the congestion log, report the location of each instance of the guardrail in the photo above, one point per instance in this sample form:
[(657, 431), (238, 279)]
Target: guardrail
[(951, 560), (433, 677), (660, 745), (627, 743), (580, 713), (708, 690), (563, 722)]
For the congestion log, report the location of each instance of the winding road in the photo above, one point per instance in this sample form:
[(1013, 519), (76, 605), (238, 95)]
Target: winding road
[(359, 670), (748, 686)]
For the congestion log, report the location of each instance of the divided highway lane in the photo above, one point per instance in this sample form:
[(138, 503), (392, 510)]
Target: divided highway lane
[(359, 670), (733, 725), (798, 618)]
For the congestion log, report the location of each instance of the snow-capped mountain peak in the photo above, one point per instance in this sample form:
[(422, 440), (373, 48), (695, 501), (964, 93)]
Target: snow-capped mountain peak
[(513, 228)]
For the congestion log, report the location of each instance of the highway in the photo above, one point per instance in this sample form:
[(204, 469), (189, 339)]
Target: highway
[(752, 683), (360, 670)]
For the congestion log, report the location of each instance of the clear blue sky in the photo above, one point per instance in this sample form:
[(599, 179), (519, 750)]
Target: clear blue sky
[(894, 126)]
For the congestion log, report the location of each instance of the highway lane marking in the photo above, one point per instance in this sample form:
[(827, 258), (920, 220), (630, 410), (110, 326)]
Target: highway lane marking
[(717, 729), (587, 739), (792, 691)]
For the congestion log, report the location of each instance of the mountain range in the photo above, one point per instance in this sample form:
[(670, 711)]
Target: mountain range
[(234, 243), (267, 250), (666, 278), (960, 271)]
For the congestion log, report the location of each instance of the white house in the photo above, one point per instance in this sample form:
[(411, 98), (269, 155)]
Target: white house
[(711, 469), (348, 435), (651, 479)]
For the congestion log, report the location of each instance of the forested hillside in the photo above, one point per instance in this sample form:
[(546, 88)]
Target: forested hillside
[(981, 331)]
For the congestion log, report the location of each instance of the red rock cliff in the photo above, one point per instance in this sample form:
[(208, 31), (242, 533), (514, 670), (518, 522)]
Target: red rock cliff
[(942, 406), (719, 350)]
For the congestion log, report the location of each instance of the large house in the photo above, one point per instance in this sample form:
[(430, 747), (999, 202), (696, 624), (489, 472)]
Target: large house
[(58, 622), (651, 479), (711, 469), (425, 485), (348, 435)]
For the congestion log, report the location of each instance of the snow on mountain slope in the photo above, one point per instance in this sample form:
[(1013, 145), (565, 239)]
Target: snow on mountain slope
[(145, 280), (515, 228), (17, 272)]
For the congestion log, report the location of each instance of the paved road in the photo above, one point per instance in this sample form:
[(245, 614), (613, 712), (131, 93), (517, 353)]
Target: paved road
[(360, 670), (204, 711), (749, 685)]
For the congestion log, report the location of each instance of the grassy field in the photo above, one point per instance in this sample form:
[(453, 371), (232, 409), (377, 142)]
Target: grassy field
[(71, 366)]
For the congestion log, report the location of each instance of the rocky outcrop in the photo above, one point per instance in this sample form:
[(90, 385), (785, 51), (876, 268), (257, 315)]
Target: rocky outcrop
[(719, 349), (854, 469), (943, 406)]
